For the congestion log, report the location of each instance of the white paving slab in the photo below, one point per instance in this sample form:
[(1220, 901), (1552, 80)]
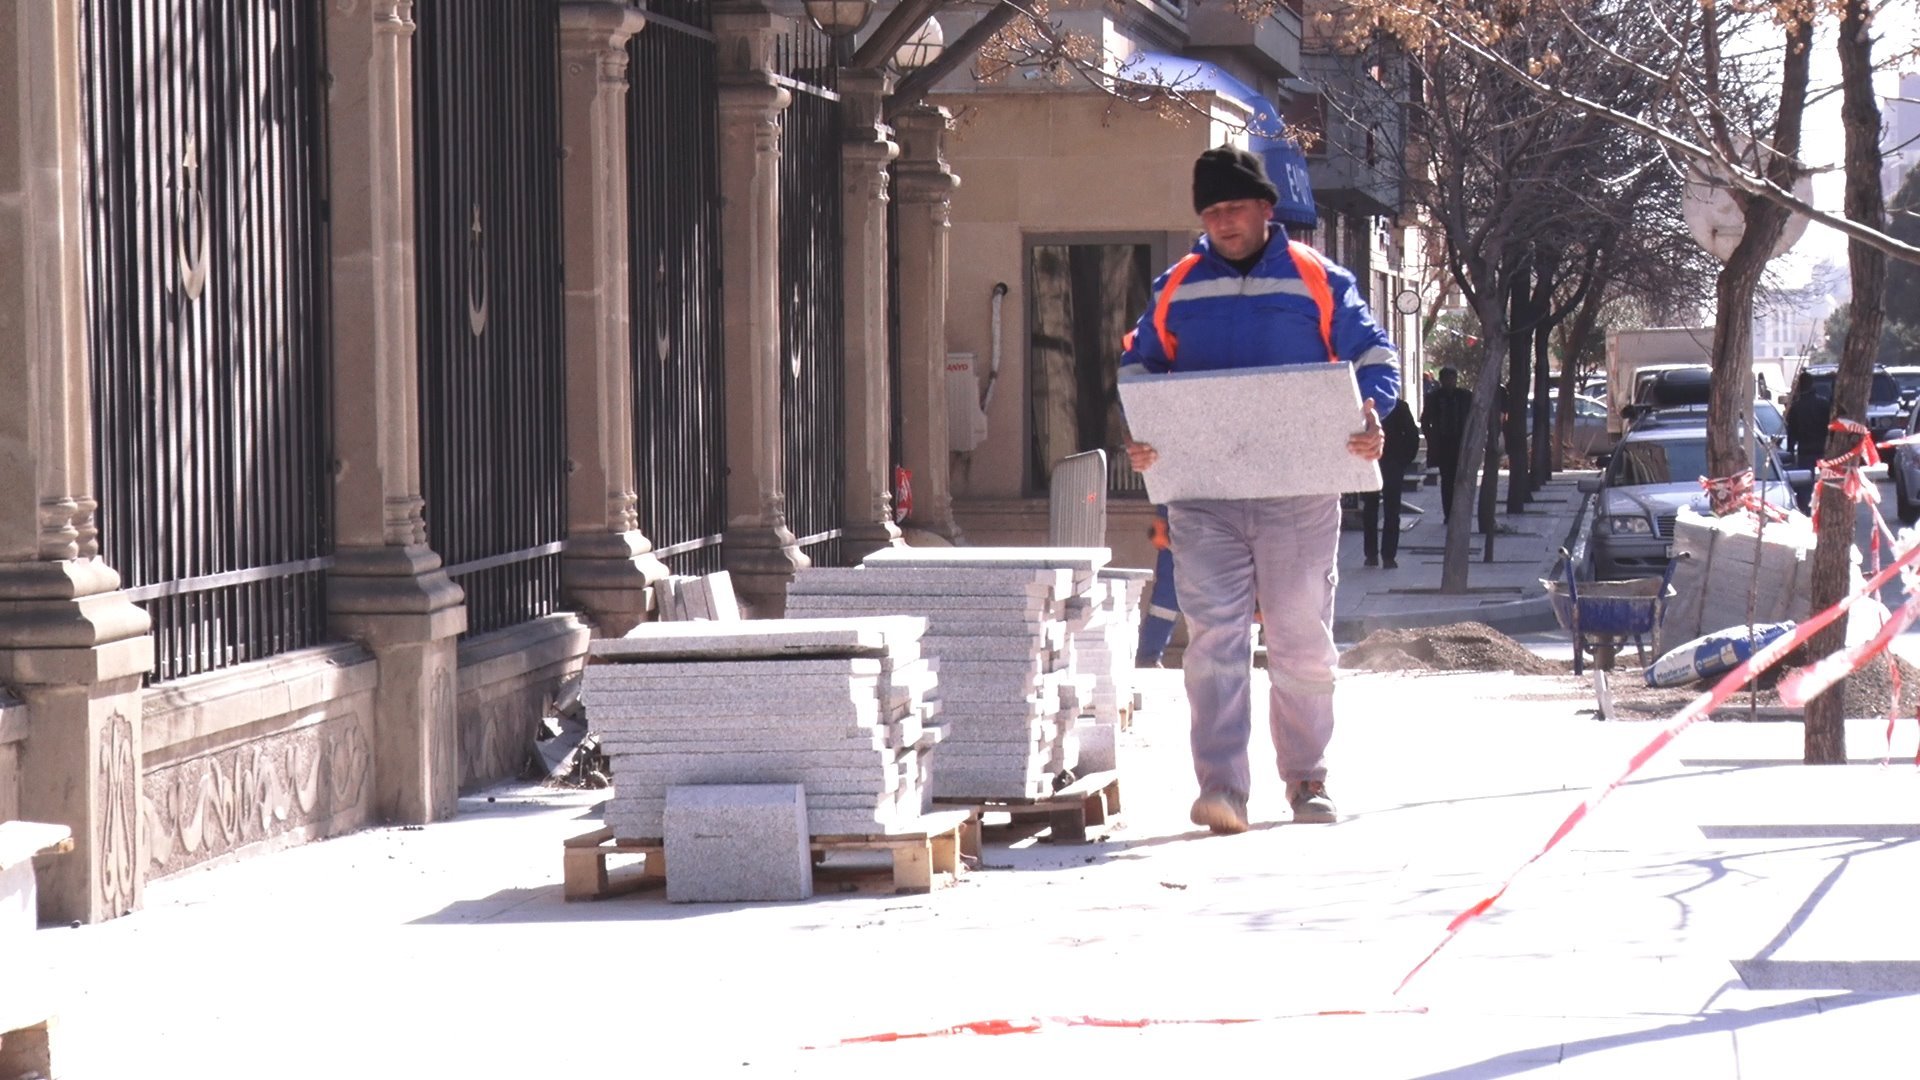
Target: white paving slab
[(1249, 434), (769, 638)]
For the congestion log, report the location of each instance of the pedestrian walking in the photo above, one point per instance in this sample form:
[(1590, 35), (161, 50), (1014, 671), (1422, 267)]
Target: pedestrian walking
[(1401, 447), (1444, 423), (1808, 415), (1247, 298)]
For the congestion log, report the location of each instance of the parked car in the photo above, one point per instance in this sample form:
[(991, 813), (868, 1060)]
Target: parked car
[(1909, 380), (1766, 417), (1590, 435), (1668, 387), (1655, 470), (1903, 468), (1884, 411)]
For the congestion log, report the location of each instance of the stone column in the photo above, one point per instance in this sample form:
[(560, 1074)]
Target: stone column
[(865, 153), (608, 566), (925, 186), (71, 645), (387, 589), (758, 547)]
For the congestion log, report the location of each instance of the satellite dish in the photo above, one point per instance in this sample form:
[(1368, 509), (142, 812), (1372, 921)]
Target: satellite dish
[(1713, 215)]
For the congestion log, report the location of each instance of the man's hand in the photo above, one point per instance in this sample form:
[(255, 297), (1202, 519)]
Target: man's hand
[(1369, 442), (1142, 456)]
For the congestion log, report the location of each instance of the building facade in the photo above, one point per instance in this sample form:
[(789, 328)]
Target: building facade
[(1072, 200), (371, 356)]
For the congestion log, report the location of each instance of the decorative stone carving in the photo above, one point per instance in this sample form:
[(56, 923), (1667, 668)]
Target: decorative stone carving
[(118, 819), (314, 778)]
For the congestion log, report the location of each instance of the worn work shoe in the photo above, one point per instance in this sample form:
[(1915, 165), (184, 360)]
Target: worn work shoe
[(1311, 803), (1221, 811)]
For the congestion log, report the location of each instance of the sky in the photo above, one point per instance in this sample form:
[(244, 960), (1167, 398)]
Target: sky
[(1823, 141)]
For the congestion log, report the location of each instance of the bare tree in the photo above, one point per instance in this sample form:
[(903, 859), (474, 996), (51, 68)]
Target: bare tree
[(1826, 735)]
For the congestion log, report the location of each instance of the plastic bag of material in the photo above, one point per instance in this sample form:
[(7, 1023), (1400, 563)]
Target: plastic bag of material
[(1712, 654)]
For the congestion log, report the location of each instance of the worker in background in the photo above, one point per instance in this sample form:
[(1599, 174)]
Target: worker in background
[(1163, 607)]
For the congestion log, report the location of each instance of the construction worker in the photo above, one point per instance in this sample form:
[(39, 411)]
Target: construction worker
[(1163, 607), (1247, 298)]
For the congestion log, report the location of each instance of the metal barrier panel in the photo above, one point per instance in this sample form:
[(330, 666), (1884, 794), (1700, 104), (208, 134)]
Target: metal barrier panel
[(812, 378), (1077, 501), (206, 313), (674, 208), (492, 363)]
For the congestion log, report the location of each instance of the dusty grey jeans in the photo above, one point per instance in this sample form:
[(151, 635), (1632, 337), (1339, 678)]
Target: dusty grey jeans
[(1226, 555)]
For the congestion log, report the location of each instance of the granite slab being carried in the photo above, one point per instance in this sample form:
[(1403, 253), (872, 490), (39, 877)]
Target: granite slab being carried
[(1249, 433)]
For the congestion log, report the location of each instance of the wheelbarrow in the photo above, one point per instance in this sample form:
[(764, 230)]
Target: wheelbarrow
[(1603, 616)]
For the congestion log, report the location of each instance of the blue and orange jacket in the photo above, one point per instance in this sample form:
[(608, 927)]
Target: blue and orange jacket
[(1294, 307)]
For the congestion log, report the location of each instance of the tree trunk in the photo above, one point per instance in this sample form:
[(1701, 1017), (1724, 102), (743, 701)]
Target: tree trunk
[(1489, 492), (1544, 445), (1826, 733), (1733, 388), (1520, 325), (1572, 346), (1490, 305)]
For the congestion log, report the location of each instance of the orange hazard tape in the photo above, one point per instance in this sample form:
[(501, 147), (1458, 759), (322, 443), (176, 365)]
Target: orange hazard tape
[(1766, 657)]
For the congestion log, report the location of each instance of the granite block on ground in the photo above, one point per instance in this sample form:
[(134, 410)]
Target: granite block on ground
[(737, 842)]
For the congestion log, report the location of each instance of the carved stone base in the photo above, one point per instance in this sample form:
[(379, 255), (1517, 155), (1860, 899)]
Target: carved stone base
[(762, 563), (610, 577), (74, 651), (398, 602), (860, 541)]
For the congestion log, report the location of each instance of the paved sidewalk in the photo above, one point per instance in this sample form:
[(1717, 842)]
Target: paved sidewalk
[(1726, 915), (1505, 594)]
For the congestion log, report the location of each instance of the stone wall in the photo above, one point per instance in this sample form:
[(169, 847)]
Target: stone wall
[(258, 756), (507, 683), (13, 731)]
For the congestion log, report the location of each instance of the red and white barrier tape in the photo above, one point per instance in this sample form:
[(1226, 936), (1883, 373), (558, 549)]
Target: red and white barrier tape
[(1729, 685), (1795, 689)]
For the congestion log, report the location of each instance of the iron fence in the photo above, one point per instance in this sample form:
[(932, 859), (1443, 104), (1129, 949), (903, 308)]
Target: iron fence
[(206, 313), (812, 377), (492, 364), (674, 208)]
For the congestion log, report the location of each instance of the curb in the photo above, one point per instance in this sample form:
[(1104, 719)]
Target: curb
[(1527, 615)]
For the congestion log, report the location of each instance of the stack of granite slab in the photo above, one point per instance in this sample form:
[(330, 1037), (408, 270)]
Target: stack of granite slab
[(1104, 627), (997, 626), (845, 707)]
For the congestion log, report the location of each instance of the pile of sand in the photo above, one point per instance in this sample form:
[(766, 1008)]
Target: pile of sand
[(1467, 646)]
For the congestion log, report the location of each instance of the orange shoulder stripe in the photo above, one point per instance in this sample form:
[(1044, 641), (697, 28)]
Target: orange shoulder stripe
[(1168, 343), (1313, 273)]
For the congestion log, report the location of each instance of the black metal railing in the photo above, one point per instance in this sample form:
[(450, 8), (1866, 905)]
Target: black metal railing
[(206, 318), (492, 364), (679, 387), (812, 374)]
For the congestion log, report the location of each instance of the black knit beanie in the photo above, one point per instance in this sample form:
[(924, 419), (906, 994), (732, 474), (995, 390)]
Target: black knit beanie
[(1228, 172)]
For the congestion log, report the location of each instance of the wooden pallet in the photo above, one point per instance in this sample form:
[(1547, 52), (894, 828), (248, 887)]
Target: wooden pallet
[(1069, 812), (937, 850)]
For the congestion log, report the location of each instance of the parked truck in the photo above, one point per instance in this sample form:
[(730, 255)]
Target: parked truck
[(1630, 352)]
